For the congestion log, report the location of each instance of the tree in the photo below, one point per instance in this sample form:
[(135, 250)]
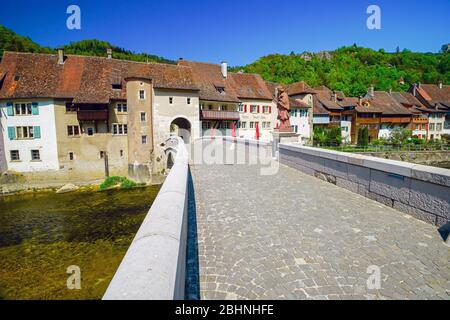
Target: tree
[(363, 137), (400, 136)]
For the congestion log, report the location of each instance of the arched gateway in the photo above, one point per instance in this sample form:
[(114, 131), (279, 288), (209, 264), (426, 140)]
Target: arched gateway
[(182, 128)]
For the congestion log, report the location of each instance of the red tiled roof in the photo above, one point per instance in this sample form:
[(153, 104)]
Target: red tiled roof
[(207, 77), (298, 104), (83, 78), (383, 102), (298, 88), (249, 86)]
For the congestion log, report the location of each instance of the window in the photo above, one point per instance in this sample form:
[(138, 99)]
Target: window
[(102, 154), (141, 94), (90, 131), (170, 100), (35, 155), (71, 156), (268, 125), (206, 125), (14, 155), (241, 108), (22, 109), (210, 107), (438, 126), (253, 109), (295, 128), (252, 125), (144, 139), (116, 86), (73, 131), (344, 129), (143, 117), (119, 129), (24, 132), (121, 153), (70, 107), (431, 126), (244, 125), (303, 113), (122, 107), (188, 100), (266, 109)]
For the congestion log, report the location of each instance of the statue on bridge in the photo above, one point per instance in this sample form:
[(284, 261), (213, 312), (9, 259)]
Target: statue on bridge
[(283, 110)]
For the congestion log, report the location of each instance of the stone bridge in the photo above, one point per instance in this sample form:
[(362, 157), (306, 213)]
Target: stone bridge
[(289, 235)]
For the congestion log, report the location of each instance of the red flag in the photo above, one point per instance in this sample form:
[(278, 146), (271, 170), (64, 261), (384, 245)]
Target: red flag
[(257, 131), (233, 130)]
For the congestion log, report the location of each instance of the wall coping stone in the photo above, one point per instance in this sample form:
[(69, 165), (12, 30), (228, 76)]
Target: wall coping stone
[(154, 266), (420, 172)]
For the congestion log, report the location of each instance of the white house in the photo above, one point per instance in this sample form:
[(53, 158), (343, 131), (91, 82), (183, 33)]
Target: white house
[(29, 136)]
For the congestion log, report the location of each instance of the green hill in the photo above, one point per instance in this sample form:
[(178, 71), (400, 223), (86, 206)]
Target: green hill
[(353, 69), (11, 41)]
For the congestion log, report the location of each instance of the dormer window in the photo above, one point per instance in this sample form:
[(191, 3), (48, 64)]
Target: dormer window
[(219, 87)]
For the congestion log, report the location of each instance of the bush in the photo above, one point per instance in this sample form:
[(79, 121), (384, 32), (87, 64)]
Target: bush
[(116, 181), (400, 136), (328, 136)]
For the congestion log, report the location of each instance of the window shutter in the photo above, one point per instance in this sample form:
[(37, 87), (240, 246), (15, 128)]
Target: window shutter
[(35, 108), (257, 110), (245, 108), (10, 110), (37, 132), (270, 109), (11, 133)]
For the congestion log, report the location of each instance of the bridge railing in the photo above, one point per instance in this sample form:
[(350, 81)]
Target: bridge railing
[(154, 266)]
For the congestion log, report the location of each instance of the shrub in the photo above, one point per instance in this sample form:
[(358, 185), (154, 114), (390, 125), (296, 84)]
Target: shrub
[(115, 181), (327, 136), (400, 136)]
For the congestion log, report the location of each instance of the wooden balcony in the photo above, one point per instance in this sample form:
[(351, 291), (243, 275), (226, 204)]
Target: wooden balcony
[(368, 120), (91, 115), (420, 120), (219, 115), (396, 120)]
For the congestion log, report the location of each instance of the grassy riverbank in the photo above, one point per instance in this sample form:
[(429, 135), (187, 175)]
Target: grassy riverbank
[(43, 233)]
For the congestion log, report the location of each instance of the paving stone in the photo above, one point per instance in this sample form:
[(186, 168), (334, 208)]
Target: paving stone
[(254, 246)]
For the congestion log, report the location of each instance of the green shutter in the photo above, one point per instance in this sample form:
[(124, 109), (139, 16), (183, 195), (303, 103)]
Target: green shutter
[(11, 133), (10, 109), (37, 132), (35, 108)]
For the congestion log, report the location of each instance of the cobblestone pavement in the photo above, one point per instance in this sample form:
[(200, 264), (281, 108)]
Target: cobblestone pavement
[(292, 236)]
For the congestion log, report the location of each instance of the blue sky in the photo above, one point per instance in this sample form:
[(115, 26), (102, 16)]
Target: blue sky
[(237, 31)]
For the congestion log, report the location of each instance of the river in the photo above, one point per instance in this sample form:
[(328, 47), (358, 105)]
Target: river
[(43, 233)]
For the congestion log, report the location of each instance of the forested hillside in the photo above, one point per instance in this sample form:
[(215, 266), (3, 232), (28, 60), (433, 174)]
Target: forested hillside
[(353, 69), (11, 41)]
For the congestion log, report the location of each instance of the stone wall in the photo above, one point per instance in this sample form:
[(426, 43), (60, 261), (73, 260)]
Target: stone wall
[(418, 157), (421, 191), (154, 267)]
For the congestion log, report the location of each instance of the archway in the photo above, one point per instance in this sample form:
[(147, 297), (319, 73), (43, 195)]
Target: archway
[(182, 128)]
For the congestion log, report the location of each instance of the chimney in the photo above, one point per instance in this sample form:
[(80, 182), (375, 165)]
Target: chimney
[(390, 91), (360, 100), (372, 91), (414, 89), (334, 96), (440, 84), (109, 53), (419, 85), (60, 56), (224, 69)]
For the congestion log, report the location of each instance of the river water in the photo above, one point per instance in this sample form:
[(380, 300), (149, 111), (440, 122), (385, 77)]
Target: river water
[(43, 233)]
